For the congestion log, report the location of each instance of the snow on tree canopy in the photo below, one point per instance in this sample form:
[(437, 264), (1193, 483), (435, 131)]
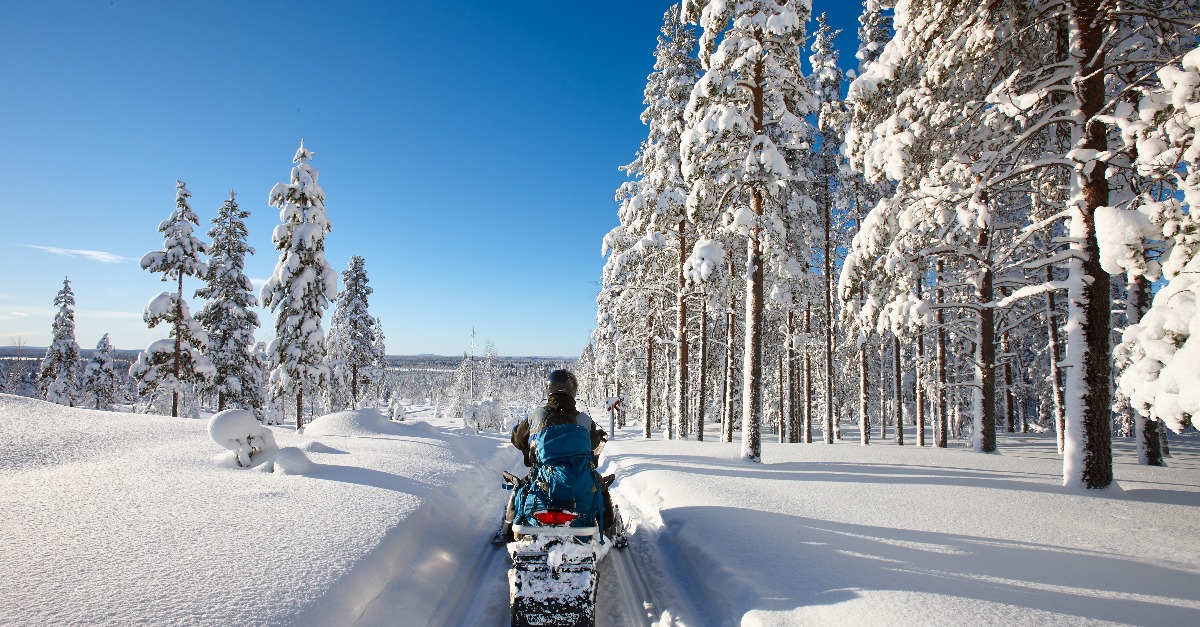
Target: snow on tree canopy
[(303, 282), (227, 315), (1162, 378), (175, 366), (58, 380)]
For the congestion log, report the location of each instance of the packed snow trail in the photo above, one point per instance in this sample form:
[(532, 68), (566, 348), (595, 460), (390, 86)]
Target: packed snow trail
[(449, 573), (447, 556)]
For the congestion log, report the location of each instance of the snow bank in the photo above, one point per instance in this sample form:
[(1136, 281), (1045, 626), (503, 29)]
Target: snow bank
[(353, 423), (116, 518)]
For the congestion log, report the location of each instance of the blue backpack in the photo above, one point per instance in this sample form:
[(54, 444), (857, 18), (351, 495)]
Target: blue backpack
[(563, 477)]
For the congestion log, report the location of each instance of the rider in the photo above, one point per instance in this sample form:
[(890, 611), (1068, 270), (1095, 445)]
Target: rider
[(559, 409)]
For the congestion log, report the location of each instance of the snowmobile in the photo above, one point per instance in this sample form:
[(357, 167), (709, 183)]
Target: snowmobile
[(553, 577)]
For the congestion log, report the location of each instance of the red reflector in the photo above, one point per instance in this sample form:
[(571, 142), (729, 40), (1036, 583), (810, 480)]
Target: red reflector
[(555, 516)]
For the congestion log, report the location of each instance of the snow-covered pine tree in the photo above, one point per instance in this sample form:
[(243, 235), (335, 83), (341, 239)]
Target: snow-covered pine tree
[(99, 378), (175, 365), (637, 283), (227, 315), (1163, 348), (302, 285), (350, 346), (377, 370), (466, 382), (826, 81), (58, 381), (654, 221), (745, 112)]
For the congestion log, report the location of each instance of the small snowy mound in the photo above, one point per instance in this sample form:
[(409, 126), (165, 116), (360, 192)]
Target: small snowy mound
[(317, 447), (239, 431), (290, 460), (353, 423)]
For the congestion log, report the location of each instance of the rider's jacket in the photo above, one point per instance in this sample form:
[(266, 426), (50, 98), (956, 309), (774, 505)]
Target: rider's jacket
[(559, 410)]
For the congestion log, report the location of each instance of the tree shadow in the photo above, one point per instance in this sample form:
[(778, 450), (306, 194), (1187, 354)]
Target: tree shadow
[(370, 478), (785, 562), (893, 474)]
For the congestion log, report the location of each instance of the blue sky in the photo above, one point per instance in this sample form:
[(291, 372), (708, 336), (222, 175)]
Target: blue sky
[(468, 150)]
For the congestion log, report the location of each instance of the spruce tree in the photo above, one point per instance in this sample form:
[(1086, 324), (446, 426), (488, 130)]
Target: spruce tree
[(58, 381), (302, 285), (351, 345), (99, 378), (227, 315), (178, 364)]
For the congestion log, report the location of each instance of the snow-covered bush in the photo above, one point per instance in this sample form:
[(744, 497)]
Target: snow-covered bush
[(239, 431), (396, 408), (486, 414)]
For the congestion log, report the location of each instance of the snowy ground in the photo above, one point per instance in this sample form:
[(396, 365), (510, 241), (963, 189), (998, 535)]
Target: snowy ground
[(118, 519)]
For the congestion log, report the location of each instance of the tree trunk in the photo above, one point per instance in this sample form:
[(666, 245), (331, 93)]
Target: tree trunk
[(883, 413), (808, 386), (649, 374), (1087, 459), (897, 392), (752, 360), (782, 404), (1009, 401), (794, 419), (354, 383), (300, 407), (752, 350), (864, 421), (920, 392), (943, 417), (828, 321), (1055, 356), (703, 371), (985, 360), (178, 368), (620, 409), (1149, 445), (730, 361), (674, 430)]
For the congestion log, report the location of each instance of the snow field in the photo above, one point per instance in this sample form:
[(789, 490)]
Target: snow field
[(116, 518), (885, 535)]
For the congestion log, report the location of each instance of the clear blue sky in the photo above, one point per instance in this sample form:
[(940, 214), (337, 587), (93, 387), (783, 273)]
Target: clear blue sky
[(468, 150)]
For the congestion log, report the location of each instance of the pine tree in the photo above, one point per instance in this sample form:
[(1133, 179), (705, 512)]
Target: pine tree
[(747, 110), (175, 365), (1161, 240), (99, 378), (302, 285), (827, 87), (656, 233), (58, 381), (227, 315)]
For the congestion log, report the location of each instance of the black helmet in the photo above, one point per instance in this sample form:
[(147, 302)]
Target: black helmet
[(561, 382)]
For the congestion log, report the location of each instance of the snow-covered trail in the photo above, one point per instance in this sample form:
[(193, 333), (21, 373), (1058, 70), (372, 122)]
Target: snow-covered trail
[(449, 573)]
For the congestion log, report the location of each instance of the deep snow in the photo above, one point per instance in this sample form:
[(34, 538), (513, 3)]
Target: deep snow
[(118, 518)]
